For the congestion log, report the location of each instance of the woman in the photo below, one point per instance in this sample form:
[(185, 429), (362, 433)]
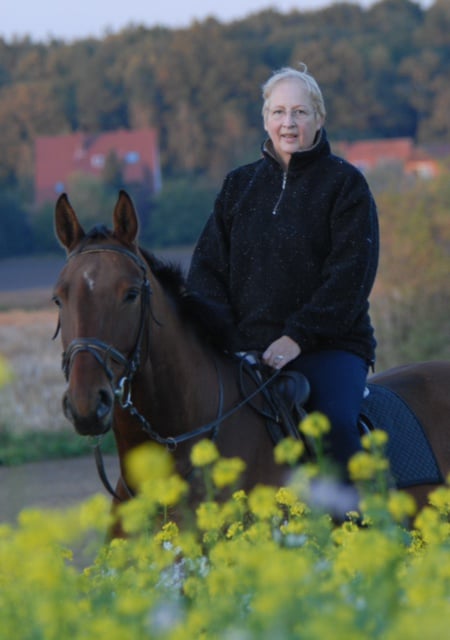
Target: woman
[(291, 250)]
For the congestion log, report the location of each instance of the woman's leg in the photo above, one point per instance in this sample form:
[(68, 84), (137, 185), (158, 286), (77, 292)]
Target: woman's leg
[(337, 380)]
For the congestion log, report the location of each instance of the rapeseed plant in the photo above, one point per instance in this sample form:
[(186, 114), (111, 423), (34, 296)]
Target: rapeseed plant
[(256, 566)]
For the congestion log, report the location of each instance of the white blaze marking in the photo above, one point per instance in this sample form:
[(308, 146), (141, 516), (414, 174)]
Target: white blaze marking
[(89, 280)]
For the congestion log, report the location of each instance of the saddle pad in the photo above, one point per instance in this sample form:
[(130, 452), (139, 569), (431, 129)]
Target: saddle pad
[(411, 458)]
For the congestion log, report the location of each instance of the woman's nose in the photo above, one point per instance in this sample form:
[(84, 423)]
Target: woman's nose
[(289, 119)]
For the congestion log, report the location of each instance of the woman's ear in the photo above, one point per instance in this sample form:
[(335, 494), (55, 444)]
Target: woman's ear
[(320, 122)]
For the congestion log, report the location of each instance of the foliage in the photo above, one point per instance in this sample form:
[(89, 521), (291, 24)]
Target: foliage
[(179, 213), (267, 564), (412, 295), (383, 71)]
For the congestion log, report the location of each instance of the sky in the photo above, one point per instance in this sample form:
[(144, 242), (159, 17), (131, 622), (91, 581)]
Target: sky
[(42, 20)]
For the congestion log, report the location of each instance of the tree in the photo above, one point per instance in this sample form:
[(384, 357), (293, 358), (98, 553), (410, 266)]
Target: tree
[(15, 238)]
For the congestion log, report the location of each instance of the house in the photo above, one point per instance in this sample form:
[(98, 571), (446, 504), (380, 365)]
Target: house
[(368, 155), (57, 158)]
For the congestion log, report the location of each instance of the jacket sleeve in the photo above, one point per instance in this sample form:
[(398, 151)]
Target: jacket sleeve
[(209, 270), (348, 272)]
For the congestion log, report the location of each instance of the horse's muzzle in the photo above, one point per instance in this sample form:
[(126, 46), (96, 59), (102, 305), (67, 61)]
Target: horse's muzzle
[(96, 419)]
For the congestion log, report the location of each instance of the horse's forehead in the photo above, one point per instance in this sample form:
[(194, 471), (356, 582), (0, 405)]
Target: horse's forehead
[(100, 270)]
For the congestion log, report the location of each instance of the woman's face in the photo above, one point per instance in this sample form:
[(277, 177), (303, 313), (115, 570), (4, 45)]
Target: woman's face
[(290, 119)]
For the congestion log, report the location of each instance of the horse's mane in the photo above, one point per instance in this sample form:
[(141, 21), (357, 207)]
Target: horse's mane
[(210, 321)]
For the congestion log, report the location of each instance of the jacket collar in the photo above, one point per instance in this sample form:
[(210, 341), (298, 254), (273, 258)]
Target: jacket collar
[(300, 159)]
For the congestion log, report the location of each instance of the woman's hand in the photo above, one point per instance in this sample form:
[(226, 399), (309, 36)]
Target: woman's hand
[(280, 352)]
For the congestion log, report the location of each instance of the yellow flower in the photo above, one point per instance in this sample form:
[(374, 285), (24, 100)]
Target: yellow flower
[(262, 502), (6, 372), (288, 451), (286, 496), (365, 466), (95, 513), (203, 453), (170, 491), (147, 463), (315, 425), (240, 497), (440, 499), (192, 587), (226, 471), (135, 516), (429, 523), (375, 440), (293, 528), (401, 505), (168, 533), (208, 516), (234, 529)]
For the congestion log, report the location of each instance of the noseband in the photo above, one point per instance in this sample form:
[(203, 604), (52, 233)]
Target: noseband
[(105, 353)]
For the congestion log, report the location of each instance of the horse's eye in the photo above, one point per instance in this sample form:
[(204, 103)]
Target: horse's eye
[(57, 301), (131, 295)]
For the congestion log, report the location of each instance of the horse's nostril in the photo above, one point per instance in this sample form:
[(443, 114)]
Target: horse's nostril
[(67, 410), (104, 404)]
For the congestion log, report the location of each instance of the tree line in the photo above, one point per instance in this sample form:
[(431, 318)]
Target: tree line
[(383, 70)]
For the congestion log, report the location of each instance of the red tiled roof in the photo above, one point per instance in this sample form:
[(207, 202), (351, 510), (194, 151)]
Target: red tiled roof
[(59, 157), (369, 154)]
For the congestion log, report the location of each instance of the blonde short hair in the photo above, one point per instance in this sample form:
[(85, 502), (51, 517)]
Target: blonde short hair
[(287, 73)]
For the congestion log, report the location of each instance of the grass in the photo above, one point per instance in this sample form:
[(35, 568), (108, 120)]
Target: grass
[(34, 446)]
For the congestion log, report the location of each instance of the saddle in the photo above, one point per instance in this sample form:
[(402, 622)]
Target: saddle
[(284, 397), (410, 455)]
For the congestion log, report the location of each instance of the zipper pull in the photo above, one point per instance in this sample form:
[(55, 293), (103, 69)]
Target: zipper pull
[(277, 204)]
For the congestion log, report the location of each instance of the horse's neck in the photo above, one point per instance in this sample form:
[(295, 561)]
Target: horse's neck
[(183, 375)]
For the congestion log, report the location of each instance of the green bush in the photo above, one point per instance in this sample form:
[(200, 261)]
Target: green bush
[(179, 213)]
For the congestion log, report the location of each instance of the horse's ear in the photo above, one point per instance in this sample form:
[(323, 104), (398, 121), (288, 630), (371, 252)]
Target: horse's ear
[(126, 225), (68, 230)]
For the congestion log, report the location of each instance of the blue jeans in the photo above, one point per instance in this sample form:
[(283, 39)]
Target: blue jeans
[(337, 380)]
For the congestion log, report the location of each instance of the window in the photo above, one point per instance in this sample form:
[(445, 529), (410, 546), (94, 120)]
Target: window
[(98, 161), (132, 157)]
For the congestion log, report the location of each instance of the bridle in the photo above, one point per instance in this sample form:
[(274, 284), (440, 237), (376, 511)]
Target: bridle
[(105, 354)]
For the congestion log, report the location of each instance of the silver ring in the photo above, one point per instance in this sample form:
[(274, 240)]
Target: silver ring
[(279, 357)]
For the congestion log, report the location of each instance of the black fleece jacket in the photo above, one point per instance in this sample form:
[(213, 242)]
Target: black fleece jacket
[(293, 253)]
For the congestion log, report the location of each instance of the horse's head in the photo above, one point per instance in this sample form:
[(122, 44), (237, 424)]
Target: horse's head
[(102, 294)]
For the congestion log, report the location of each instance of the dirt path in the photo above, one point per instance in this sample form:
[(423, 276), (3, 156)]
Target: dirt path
[(51, 484)]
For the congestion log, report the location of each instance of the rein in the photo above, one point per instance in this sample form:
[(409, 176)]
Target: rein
[(172, 442)]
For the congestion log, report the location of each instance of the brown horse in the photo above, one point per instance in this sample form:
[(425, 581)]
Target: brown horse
[(137, 361)]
